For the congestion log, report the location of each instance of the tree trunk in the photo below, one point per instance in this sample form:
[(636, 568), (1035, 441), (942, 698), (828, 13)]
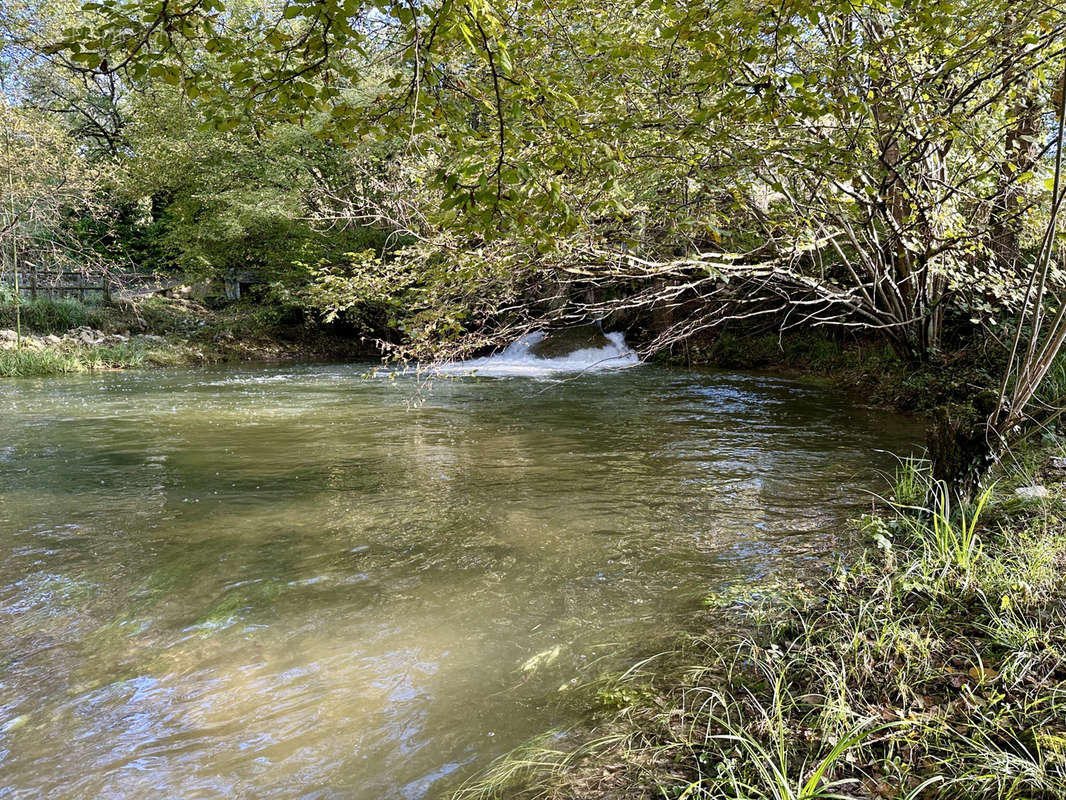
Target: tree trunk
[(961, 445)]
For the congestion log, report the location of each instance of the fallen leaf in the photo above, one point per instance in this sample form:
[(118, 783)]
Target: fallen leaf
[(983, 674)]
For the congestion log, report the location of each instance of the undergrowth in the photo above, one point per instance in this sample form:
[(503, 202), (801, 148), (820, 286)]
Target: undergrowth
[(931, 666)]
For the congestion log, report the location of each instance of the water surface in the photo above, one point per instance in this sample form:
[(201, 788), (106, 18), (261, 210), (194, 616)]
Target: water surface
[(282, 582)]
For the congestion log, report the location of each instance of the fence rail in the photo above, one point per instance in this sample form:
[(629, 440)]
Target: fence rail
[(83, 285), (87, 285)]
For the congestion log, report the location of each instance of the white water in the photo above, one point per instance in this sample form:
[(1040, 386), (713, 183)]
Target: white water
[(518, 359)]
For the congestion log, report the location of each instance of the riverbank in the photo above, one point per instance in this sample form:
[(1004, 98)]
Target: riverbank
[(860, 364), (65, 336), (930, 665), (86, 350)]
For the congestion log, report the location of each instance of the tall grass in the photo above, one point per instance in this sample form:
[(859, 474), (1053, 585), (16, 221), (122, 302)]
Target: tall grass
[(909, 481), (1053, 387), (45, 315), (949, 537), (764, 762), (26, 362)]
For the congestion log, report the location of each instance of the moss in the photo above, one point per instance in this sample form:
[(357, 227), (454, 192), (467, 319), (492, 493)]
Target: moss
[(958, 442)]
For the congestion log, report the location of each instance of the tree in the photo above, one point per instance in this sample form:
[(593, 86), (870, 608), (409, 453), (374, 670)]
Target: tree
[(45, 181)]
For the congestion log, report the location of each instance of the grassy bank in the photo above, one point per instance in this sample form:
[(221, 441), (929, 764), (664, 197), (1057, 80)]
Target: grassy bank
[(62, 360), (161, 331), (932, 665)]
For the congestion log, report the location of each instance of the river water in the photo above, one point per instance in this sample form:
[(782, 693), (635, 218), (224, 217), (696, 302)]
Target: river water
[(282, 582)]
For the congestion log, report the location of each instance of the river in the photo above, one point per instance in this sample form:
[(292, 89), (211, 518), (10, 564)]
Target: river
[(303, 582)]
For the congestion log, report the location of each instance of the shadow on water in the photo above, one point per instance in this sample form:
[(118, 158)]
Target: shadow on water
[(297, 582)]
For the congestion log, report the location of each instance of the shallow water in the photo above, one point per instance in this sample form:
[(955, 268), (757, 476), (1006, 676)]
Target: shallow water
[(299, 582)]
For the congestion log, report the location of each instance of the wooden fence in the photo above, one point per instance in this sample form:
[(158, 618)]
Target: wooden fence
[(82, 285), (113, 285)]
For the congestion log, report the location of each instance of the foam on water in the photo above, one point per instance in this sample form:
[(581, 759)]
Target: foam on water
[(519, 360)]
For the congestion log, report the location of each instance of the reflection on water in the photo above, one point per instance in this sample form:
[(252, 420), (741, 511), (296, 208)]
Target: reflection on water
[(296, 582)]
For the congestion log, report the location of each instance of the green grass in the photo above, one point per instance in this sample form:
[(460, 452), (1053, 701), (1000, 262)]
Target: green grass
[(910, 481), (133, 353), (237, 332), (36, 363), (25, 362), (931, 665), (46, 315)]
